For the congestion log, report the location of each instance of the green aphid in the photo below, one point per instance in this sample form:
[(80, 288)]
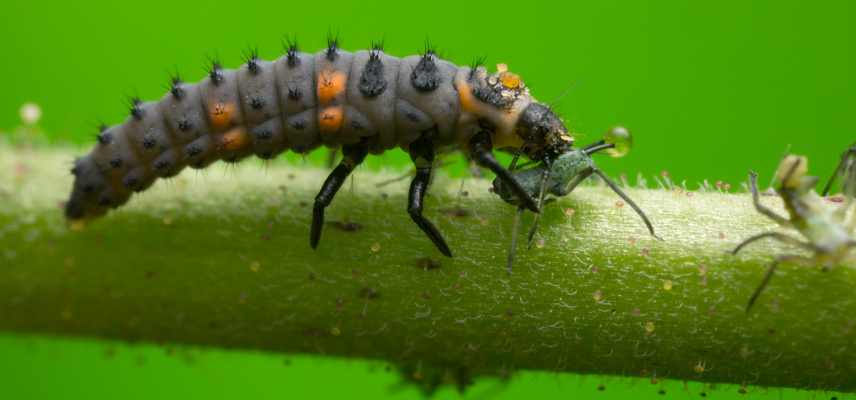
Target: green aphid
[(560, 176), (826, 227)]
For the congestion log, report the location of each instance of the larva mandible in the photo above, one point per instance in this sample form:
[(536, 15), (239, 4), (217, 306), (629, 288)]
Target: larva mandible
[(364, 102)]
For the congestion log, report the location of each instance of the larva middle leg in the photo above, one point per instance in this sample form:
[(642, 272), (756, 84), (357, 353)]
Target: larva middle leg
[(352, 156)]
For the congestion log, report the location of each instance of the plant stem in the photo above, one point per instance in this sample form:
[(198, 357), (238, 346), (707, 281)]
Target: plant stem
[(221, 258)]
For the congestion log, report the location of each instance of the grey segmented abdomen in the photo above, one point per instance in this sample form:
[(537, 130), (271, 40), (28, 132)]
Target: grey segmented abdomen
[(300, 102)]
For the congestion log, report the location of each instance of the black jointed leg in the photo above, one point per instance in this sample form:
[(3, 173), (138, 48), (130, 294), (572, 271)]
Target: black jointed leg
[(846, 159), (422, 154), (480, 150), (353, 155)]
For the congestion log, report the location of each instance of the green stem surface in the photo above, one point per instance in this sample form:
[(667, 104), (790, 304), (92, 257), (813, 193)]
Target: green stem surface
[(221, 258)]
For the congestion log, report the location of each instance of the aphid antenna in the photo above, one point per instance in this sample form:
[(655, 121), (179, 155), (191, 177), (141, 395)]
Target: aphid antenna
[(627, 200), (597, 146)]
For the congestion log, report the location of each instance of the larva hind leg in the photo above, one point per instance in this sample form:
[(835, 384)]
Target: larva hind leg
[(352, 155), (422, 154)]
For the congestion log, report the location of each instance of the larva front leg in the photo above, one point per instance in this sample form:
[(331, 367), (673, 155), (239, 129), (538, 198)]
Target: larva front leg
[(480, 151)]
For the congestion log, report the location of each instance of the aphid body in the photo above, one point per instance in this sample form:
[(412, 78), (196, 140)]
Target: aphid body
[(362, 102), (560, 176), (826, 227)]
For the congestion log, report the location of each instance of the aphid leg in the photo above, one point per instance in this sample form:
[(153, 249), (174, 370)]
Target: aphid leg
[(846, 159), (769, 274), (753, 186), (515, 230), (545, 176), (480, 150), (422, 154), (353, 155), (774, 235), (627, 199), (515, 227), (512, 166)]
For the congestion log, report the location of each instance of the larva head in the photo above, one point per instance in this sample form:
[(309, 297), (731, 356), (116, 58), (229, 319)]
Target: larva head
[(543, 132), (83, 203)]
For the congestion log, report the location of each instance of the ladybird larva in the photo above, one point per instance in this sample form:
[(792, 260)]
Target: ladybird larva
[(364, 102)]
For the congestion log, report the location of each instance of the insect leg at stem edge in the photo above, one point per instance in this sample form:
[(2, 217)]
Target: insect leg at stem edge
[(542, 187), (353, 155), (775, 235), (628, 200), (422, 154), (769, 274)]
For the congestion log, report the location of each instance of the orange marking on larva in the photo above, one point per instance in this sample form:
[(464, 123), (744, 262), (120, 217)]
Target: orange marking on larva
[(221, 114), (233, 140), (468, 101), (330, 85), (330, 119)]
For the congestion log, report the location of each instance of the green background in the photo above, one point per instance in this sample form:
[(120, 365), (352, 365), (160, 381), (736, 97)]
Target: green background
[(709, 89)]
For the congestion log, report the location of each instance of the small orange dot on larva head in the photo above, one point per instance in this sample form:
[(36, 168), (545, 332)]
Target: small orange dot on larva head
[(330, 85), (221, 114), (330, 119)]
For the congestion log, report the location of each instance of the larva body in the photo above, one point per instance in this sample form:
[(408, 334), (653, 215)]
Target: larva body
[(364, 102)]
